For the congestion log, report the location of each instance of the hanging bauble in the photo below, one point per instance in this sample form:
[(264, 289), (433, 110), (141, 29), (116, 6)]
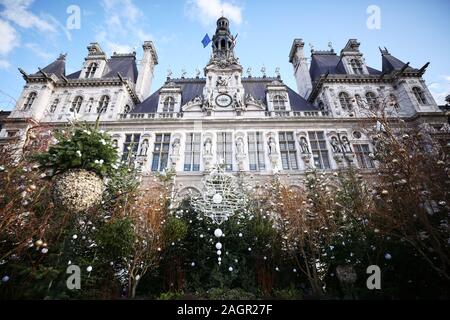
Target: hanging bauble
[(77, 190), (218, 246), (219, 252), (218, 233)]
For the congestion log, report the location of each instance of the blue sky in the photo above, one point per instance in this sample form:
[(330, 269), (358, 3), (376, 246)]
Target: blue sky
[(34, 32)]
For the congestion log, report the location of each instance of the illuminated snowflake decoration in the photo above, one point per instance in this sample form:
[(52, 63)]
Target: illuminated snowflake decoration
[(221, 197)]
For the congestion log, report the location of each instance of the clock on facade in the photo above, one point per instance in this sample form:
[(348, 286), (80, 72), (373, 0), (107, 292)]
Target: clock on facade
[(223, 100)]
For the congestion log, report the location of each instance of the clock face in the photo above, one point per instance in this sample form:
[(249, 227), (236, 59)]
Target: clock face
[(223, 100)]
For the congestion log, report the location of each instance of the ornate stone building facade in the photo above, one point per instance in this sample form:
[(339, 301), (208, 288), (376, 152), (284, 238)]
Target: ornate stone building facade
[(254, 125)]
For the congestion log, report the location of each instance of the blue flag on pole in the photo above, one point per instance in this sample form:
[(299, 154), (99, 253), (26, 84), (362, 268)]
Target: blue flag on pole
[(206, 40)]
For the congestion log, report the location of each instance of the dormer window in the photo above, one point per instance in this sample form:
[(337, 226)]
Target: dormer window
[(169, 105), (54, 106), (371, 99), (92, 68), (76, 104), (29, 102), (103, 104), (356, 66), (278, 103), (344, 100), (420, 96)]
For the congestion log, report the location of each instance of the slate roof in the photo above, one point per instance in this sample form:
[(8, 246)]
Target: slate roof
[(57, 67), (391, 63), (323, 62), (190, 88), (125, 64)]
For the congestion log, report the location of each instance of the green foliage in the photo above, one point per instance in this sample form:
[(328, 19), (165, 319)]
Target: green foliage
[(115, 238), (174, 230), (229, 294), (177, 295), (83, 147)]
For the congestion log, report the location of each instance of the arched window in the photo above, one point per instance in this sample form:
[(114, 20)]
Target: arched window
[(356, 66), (278, 103), (76, 104), (169, 105), (29, 102), (420, 96), (92, 68), (344, 100), (393, 101), (371, 99), (127, 109), (54, 106), (103, 104)]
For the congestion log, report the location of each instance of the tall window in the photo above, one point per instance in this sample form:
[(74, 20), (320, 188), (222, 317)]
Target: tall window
[(130, 146), (54, 106), (256, 151), (29, 102), (169, 105), (92, 68), (371, 99), (76, 104), (278, 103), (225, 150), (192, 152), (103, 104), (161, 152), (420, 96), (356, 66), (344, 100), (362, 152), (319, 149), (288, 151)]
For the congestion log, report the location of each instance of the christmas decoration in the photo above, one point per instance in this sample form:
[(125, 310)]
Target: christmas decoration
[(221, 198), (77, 190)]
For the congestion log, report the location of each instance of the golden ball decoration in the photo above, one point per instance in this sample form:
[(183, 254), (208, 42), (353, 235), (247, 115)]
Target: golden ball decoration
[(77, 190)]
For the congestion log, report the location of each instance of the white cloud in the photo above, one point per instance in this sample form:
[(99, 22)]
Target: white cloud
[(208, 11), (440, 90), (122, 30), (9, 39), (4, 64), (17, 11), (37, 50)]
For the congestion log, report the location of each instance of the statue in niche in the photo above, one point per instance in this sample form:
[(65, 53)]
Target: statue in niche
[(115, 143), (346, 144), (240, 146), (208, 147), (144, 148), (272, 146), (335, 145), (304, 145), (176, 147)]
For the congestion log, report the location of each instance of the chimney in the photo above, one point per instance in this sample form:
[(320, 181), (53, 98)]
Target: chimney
[(145, 77)]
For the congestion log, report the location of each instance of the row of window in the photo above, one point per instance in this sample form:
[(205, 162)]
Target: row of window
[(77, 102), (256, 156)]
